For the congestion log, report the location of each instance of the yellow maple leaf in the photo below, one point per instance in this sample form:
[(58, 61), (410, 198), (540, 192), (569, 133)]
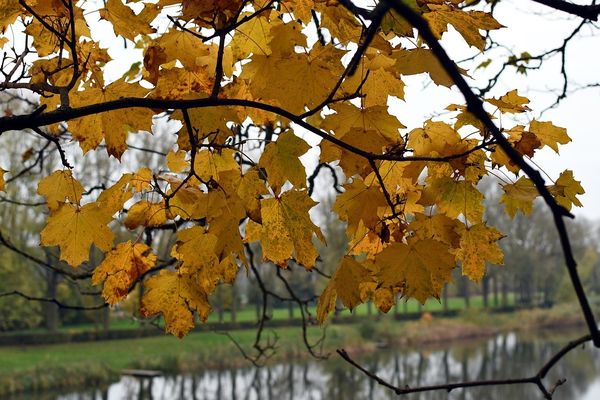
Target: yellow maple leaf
[(438, 227), (176, 161), (208, 165), (146, 213), (125, 22), (253, 37), (60, 187), (478, 245), (195, 248), (376, 118), (112, 199), (121, 268), (287, 229), (250, 189), (421, 60), (74, 229), (519, 196), (420, 267), (566, 189), (467, 23), (344, 283), (549, 134), (360, 203), (454, 198), (511, 102), (9, 12), (112, 126), (280, 160), (175, 296), (309, 76)]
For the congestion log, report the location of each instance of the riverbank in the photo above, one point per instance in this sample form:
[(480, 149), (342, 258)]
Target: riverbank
[(29, 368)]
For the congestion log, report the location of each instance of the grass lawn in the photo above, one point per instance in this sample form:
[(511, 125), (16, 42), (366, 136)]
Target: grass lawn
[(248, 314)]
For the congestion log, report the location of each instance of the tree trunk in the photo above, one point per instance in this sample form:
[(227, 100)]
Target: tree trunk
[(51, 310), (485, 289), (465, 292), (233, 303), (504, 293), (495, 289), (445, 298)]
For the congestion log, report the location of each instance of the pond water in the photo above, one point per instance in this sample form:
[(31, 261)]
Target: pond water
[(504, 356)]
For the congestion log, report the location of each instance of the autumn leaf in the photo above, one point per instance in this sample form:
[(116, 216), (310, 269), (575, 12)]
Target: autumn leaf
[(176, 161), (519, 196), (511, 102), (177, 297), (287, 229), (125, 22), (467, 23), (75, 229), (456, 198), (360, 203), (121, 268), (146, 213), (281, 162), (113, 126), (478, 245), (60, 187), (420, 267), (549, 134), (344, 284), (566, 189)]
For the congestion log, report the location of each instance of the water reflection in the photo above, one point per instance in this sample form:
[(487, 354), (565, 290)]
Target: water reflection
[(501, 357)]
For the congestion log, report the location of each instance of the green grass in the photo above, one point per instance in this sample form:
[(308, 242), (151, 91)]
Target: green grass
[(248, 314), (119, 354)]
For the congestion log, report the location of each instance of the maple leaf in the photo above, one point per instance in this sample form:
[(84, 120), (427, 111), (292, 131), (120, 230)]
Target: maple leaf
[(478, 245), (549, 134), (195, 249), (112, 126), (146, 213), (420, 60), (454, 198), (74, 229), (121, 268), (208, 165), (125, 22), (467, 23), (566, 189), (519, 196), (371, 119), (176, 161), (60, 187), (310, 76), (360, 203), (9, 12), (344, 284), (511, 102), (420, 267), (287, 229), (175, 296), (280, 160)]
